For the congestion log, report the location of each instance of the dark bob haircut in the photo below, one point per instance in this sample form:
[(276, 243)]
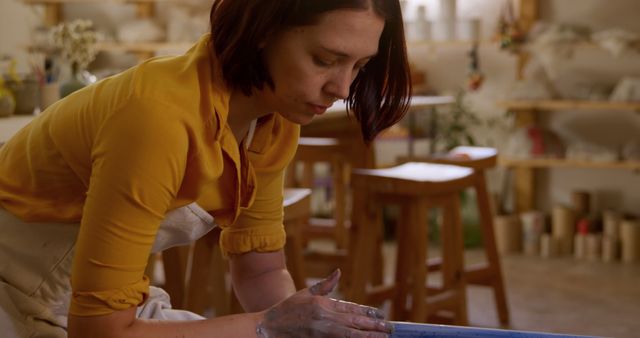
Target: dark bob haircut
[(378, 97)]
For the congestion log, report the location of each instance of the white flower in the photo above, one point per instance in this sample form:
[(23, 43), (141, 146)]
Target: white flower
[(76, 40)]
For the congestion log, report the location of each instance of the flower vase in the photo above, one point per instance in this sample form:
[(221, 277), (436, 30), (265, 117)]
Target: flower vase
[(75, 82)]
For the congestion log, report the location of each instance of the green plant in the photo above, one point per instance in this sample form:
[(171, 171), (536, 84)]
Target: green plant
[(452, 128)]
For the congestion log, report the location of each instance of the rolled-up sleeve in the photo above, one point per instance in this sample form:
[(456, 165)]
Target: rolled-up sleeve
[(259, 227)]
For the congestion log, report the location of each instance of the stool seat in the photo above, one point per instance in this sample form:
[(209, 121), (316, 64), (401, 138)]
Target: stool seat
[(479, 158), (414, 178), (318, 141), (318, 149)]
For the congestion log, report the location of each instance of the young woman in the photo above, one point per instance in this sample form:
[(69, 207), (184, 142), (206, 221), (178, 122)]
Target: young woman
[(160, 154)]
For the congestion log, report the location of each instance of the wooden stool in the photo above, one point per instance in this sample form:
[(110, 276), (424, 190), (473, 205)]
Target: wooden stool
[(312, 150), (490, 274), (195, 274), (416, 187)]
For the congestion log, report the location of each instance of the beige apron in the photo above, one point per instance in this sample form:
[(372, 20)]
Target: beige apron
[(35, 265), (35, 268)]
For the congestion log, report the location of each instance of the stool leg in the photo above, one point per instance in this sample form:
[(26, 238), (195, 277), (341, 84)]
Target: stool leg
[(452, 267), (448, 241), (488, 238), (198, 297), (175, 261), (377, 272), (307, 181), (363, 241), (206, 283), (220, 291), (294, 252), (290, 175), (339, 206), (307, 175), (418, 215), (404, 263), (454, 212)]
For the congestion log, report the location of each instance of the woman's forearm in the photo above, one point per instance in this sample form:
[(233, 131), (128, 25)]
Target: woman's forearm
[(308, 313), (265, 290), (261, 279), (123, 324)]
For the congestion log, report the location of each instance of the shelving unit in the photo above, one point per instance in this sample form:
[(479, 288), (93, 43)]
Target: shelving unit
[(445, 43), (541, 163), (555, 105), (144, 9), (143, 50), (527, 111)]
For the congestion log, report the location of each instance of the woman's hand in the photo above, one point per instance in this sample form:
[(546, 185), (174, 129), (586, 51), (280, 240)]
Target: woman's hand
[(310, 313)]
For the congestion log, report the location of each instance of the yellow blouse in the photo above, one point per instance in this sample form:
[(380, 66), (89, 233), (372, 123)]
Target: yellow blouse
[(117, 155)]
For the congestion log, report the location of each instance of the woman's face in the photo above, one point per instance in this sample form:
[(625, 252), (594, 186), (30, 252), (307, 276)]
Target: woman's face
[(313, 66)]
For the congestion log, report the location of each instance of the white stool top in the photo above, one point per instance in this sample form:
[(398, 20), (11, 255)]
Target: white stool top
[(473, 153), (422, 172), (293, 195)]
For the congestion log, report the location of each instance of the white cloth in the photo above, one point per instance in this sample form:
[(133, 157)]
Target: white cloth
[(35, 265)]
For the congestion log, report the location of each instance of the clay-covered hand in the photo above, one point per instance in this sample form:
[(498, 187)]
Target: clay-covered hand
[(310, 313)]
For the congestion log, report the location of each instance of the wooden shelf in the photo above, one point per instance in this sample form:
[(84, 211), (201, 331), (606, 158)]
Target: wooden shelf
[(566, 163), (570, 105), (445, 43), (92, 2), (53, 14), (143, 47), (138, 47)]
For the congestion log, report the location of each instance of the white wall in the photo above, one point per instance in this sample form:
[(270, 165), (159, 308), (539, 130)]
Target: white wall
[(447, 69), (15, 22)]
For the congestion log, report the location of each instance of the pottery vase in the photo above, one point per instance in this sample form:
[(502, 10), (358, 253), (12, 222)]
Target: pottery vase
[(75, 82)]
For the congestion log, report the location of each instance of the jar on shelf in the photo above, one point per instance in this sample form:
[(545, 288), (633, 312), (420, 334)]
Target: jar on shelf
[(26, 93), (7, 101), (420, 28)]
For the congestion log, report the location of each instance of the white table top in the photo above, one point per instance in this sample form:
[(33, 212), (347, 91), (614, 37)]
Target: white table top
[(417, 103), (10, 125)]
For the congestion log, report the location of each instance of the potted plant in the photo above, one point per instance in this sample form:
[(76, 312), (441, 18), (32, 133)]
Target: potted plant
[(452, 129), (75, 42)]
